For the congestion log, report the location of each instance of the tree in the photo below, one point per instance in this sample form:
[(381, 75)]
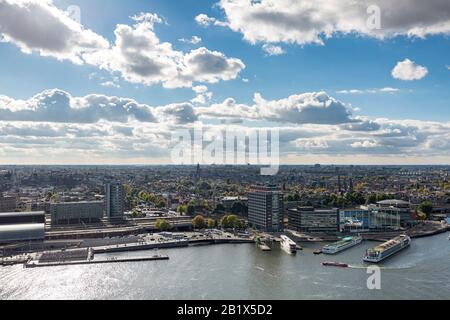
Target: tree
[(199, 222), (211, 224), (163, 225), (427, 208), (190, 210), (231, 222)]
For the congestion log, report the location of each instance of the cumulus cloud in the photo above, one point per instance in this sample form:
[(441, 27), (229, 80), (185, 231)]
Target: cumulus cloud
[(98, 127), (57, 106), (316, 108), (408, 70), (137, 53), (311, 21), (38, 26), (140, 57)]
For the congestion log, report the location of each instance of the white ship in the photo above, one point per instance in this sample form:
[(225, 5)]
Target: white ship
[(288, 245), (342, 245), (387, 249)]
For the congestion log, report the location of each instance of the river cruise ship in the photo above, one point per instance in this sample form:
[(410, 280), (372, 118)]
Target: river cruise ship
[(387, 249)]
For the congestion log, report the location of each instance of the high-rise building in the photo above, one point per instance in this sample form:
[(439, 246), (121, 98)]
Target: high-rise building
[(265, 208), (114, 200)]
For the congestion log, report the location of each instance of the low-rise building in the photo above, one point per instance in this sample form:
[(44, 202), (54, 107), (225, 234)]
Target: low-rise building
[(7, 204), (308, 219)]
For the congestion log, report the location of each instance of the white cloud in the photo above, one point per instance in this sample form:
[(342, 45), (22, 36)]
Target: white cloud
[(110, 84), (408, 70), (194, 40), (312, 21), (316, 108), (363, 91), (364, 144), (38, 26), (245, 80), (57, 106), (137, 53), (140, 57), (272, 50), (96, 128), (206, 21)]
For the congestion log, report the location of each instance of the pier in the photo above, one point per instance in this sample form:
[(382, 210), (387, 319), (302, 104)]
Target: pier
[(36, 264)]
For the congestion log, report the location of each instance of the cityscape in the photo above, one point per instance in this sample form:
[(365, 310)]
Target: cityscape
[(224, 150)]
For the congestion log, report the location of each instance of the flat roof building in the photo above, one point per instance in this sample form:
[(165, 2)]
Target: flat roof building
[(265, 208), (114, 200), (307, 219), (76, 212), (22, 226)]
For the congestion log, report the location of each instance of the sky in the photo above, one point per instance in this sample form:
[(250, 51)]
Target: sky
[(108, 82)]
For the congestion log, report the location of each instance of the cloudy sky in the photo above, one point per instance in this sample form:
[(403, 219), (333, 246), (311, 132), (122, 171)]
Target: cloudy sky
[(107, 82)]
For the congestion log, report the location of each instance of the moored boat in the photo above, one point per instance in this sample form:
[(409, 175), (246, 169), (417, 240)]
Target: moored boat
[(288, 245), (387, 249), (342, 245)]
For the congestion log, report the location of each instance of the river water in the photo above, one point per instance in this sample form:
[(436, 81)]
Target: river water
[(241, 272)]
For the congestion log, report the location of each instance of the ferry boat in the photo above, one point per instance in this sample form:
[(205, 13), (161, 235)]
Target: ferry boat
[(342, 245), (288, 245), (387, 249), (335, 264)]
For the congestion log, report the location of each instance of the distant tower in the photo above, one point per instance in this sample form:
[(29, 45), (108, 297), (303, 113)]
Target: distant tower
[(339, 184), (114, 200), (198, 172)]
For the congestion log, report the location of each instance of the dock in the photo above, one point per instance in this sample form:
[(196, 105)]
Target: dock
[(35, 264)]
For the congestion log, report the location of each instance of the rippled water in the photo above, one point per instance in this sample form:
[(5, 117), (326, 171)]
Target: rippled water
[(241, 272)]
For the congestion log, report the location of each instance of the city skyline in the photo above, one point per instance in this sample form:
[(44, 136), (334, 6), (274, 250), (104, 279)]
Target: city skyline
[(109, 84)]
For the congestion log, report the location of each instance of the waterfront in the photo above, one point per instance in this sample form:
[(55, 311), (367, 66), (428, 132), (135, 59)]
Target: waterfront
[(240, 271)]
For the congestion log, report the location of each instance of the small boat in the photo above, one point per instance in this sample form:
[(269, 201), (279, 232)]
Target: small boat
[(335, 264), (288, 245), (317, 252)]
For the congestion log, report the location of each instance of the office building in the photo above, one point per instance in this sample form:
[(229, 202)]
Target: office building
[(265, 208), (76, 212), (114, 200), (307, 219)]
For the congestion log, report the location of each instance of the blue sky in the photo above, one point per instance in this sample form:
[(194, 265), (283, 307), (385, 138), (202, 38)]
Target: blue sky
[(356, 60)]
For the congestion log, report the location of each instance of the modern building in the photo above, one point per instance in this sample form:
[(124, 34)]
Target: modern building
[(355, 220), (265, 208), (396, 207), (22, 226), (114, 200), (308, 219), (76, 212), (7, 204)]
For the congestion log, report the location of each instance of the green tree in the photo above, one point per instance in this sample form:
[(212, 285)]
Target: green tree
[(199, 222), (211, 224), (190, 209), (427, 208), (163, 225)]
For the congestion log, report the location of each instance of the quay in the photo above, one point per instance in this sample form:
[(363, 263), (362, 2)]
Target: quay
[(34, 264)]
